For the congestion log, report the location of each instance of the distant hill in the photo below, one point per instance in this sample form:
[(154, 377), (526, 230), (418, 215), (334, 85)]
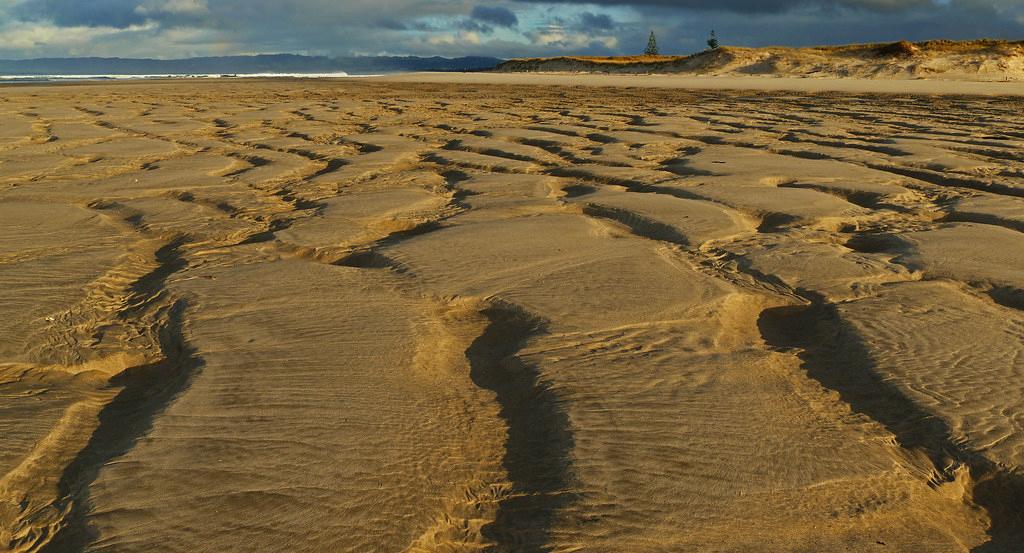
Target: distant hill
[(979, 60), (268, 63)]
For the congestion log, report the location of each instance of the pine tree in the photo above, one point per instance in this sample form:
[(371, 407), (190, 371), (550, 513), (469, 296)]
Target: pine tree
[(652, 46), (713, 41)]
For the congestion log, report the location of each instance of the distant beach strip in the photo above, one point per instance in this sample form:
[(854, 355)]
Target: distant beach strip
[(63, 78)]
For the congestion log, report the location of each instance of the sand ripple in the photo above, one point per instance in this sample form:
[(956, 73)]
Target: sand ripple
[(371, 316)]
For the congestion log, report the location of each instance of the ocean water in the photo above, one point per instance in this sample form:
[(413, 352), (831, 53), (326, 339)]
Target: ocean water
[(62, 78)]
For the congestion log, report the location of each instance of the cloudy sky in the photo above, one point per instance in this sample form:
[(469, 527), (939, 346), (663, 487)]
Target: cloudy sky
[(503, 28)]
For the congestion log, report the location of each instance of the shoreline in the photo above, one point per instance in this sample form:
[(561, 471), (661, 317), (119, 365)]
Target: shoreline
[(763, 84), (809, 85)]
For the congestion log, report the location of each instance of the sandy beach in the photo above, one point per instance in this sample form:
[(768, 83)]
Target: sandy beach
[(763, 83), (483, 312)]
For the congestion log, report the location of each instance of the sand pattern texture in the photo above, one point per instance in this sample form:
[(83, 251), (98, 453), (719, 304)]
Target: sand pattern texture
[(367, 316)]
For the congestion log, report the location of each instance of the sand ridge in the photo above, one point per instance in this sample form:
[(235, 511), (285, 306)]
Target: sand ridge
[(394, 316)]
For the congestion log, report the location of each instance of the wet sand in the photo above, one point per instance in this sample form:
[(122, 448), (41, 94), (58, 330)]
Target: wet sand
[(384, 315), (766, 83)]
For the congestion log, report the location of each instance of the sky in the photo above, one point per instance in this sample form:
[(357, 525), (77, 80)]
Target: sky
[(500, 28)]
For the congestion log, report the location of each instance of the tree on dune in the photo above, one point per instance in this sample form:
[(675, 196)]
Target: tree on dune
[(652, 46), (713, 41)]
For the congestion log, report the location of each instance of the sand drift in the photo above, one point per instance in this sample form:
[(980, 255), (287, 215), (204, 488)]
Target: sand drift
[(370, 316)]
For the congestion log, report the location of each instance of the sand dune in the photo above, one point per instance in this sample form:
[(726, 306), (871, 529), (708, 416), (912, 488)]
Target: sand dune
[(399, 316), (976, 60)]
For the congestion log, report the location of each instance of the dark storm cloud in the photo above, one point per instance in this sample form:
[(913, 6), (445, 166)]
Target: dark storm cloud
[(598, 21), (391, 25), (495, 15), (751, 6), (91, 13), (504, 28)]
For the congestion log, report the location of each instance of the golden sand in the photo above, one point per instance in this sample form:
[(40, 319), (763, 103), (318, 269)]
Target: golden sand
[(386, 316), (970, 60)]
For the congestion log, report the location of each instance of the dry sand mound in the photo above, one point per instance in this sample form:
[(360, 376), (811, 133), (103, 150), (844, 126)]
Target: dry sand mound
[(980, 60), (361, 316)]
